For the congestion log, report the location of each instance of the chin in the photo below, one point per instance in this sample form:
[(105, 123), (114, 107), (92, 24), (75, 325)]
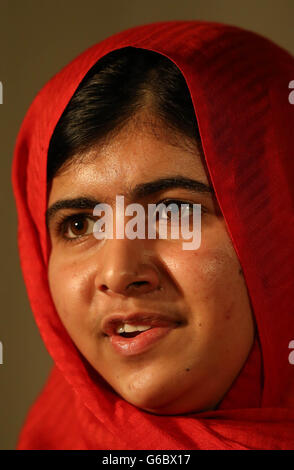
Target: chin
[(171, 409), (155, 402), (178, 408), (159, 403), (146, 398)]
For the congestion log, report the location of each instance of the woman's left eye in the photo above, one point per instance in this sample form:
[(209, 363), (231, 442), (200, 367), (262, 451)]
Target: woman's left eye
[(76, 226), (176, 207)]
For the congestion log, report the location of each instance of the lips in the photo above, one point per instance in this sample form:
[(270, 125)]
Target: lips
[(160, 325), (112, 322)]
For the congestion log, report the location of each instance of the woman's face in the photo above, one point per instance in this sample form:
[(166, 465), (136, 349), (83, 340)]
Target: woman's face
[(201, 294)]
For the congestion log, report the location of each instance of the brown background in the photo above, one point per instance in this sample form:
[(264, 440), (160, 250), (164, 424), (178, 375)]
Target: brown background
[(37, 38)]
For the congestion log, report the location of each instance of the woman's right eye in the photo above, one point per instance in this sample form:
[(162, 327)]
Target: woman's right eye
[(76, 226)]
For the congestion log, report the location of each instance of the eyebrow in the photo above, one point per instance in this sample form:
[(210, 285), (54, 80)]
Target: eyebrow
[(139, 191)]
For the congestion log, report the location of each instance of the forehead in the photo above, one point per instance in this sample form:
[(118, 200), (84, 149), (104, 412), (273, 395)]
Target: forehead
[(133, 156)]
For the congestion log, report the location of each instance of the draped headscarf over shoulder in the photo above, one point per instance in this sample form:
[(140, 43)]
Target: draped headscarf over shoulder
[(239, 84)]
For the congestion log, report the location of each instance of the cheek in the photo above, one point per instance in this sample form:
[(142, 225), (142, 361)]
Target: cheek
[(211, 286), (67, 283), (206, 270), (217, 267)]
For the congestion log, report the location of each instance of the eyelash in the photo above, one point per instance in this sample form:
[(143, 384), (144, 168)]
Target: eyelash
[(64, 221)]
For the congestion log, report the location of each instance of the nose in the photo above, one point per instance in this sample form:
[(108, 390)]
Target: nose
[(125, 270)]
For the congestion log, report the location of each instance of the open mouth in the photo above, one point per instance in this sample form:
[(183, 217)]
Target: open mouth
[(137, 342), (134, 334), (126, 330), (131, 334)]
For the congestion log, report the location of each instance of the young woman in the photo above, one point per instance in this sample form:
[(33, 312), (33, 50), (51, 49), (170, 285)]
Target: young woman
[(157, 347)]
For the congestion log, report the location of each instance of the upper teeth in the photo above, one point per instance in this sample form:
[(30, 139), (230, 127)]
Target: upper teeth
[(126, 328)]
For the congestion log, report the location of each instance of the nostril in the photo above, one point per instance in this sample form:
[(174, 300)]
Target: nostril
[(135, 285), (139, 283)]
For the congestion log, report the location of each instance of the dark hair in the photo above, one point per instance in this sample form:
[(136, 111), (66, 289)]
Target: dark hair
[(120, 85)]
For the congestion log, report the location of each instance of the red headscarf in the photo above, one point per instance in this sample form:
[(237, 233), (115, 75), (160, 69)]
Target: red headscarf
[(239, 86)]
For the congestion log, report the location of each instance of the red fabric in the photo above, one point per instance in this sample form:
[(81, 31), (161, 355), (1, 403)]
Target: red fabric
[(239, 86)]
